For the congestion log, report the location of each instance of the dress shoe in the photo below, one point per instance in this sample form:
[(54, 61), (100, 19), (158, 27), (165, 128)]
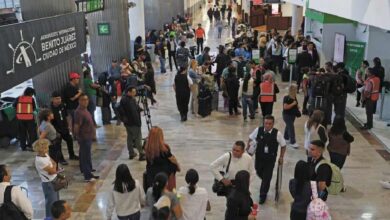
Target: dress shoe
[(74, 157), (142, 157), (64, 162), (132, 156), (262, 199)]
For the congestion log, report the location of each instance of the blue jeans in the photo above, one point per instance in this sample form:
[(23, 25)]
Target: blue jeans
[(289, 131), (50, 196), (162, 64), (247, 102), (135, 216), (85, 158)]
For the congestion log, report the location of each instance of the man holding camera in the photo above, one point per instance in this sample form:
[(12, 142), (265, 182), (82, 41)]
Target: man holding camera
[(130, 114)]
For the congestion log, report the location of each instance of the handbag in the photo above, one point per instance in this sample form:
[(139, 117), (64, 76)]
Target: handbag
[(218, 187), (298, 113), (60, 182)]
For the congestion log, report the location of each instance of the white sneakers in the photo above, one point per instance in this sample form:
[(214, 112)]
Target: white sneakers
[(296, 146), (385, 184)]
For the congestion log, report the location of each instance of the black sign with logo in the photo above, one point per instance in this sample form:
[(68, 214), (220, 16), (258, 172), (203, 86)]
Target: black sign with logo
[(28, 49)]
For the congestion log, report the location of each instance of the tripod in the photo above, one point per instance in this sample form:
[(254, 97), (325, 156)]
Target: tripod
[(142, 98)]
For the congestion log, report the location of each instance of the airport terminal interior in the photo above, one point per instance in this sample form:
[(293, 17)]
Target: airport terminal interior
[(207, 73)]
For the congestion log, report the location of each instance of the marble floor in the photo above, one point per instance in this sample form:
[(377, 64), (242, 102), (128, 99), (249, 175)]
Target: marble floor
[(196, 143)]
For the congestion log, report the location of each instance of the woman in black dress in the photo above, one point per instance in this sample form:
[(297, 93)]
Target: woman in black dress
[(239, 202), (182, 88)]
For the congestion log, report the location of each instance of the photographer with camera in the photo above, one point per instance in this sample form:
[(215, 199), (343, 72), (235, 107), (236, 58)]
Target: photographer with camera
[(130, 114)]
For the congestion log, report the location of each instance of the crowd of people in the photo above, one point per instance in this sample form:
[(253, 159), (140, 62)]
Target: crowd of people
[(241, 81)]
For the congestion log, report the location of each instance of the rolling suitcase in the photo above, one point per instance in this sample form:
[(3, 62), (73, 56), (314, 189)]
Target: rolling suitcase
[(204, 106)]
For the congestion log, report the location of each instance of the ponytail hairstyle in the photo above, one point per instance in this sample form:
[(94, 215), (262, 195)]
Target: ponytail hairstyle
[(192, 179), (159, 183)]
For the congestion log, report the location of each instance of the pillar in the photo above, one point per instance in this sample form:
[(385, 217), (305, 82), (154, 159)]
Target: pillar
[(116, 44), (54, 78), (297, 17), (137, 23)]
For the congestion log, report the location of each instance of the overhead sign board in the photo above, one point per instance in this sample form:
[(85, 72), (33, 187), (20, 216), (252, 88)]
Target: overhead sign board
[(88, 6), (29, 48)]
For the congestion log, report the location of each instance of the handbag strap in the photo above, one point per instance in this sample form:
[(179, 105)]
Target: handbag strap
[(314, 192), (228, 165), (7, 194)]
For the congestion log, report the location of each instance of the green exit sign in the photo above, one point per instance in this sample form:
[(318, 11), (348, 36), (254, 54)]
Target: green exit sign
[(104, 29), (95, 5)]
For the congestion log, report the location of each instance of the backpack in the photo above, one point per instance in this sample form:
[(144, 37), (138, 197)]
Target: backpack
[(200, 59), (320, 85), (337, 182), (317, 208), (337, 85), (121, 112), (9, 211), (350, 87)]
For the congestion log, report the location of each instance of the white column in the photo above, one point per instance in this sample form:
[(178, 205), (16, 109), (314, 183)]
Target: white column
[(297, 17), (137, 23)]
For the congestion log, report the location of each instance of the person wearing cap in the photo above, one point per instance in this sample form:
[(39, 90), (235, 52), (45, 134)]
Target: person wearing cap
[(71, 94), (60, 123), (25, 107), (200, 35)]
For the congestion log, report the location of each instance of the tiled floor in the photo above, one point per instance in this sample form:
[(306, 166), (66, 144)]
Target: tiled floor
[(196, 143)]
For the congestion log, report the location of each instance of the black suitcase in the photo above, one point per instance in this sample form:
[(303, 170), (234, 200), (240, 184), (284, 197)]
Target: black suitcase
[(286, 75), (204, 106)]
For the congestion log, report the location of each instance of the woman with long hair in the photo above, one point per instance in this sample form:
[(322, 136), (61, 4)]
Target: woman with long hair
[(193, 199), (340, 140), (196, 78), (182, 87), (159, 190), (246, 94), (314, 130), (127, 196), (300, 190), (159, 158), (290, 111), (150, 83), (239, 201)]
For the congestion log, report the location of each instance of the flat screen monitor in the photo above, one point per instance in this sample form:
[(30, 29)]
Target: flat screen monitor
[(339, 48)]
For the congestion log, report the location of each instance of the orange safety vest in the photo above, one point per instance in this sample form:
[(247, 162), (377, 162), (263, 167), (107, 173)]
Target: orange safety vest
[(375, 82), (24, 108), (267, 92), (199, 33)]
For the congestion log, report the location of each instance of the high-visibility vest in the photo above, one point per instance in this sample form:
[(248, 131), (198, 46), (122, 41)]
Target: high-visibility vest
[(375, 82), (24, 108), (267, 92)]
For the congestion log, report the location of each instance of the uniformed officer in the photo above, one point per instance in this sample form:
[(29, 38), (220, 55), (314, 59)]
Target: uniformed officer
[(268, 140), (370, 96)]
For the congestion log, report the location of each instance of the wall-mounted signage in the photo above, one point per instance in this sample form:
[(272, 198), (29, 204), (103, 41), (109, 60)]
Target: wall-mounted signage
[(30, 48), (104, 29)]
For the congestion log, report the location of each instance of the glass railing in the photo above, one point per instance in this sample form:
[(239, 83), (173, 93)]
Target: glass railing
[(9, 3)]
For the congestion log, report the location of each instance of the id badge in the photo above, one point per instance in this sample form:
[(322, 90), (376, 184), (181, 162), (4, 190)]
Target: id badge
[(266, 150)]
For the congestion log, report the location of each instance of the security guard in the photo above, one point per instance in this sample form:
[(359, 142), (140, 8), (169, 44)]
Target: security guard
[(268, 90), (25, 107), (268, 140), (370, 96)]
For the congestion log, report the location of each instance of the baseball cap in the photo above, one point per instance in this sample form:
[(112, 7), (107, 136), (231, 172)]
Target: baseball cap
[(74, 76)]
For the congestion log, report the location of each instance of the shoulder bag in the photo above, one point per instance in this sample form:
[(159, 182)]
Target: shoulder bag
[(218, 187)]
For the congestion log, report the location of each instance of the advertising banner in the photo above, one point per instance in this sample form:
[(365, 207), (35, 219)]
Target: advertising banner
[(354, 55), (30, 48)]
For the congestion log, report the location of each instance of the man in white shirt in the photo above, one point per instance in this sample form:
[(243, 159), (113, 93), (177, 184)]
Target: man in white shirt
[(240, 160), (18, 197), (268, 140)]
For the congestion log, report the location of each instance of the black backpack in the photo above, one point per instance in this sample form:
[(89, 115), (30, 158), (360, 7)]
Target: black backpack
[(9, 211), (121, 112), (337, 87), (320, 85), (350, 86)]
